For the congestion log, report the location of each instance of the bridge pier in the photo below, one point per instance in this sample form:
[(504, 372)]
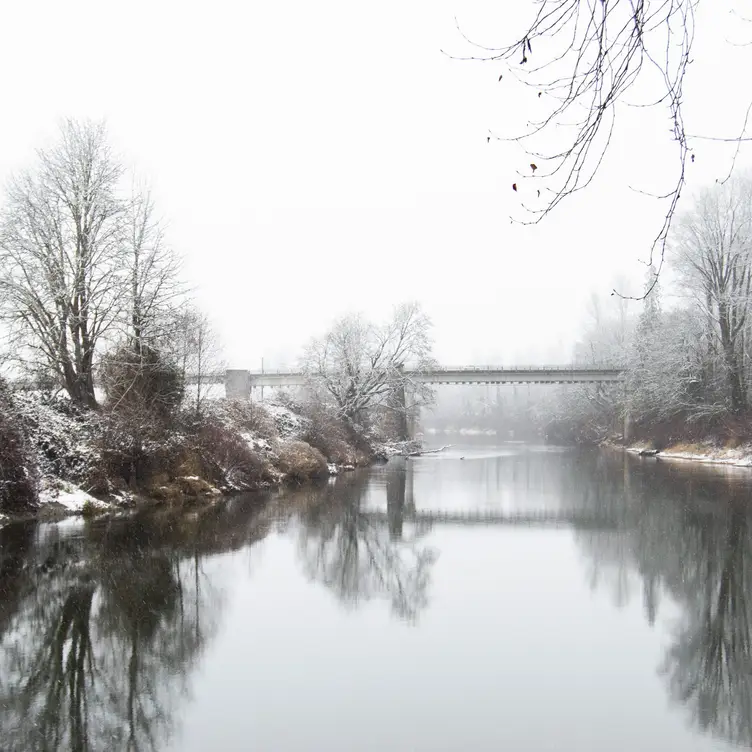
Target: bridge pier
[(406, 412), (412, 421), (237, 384)]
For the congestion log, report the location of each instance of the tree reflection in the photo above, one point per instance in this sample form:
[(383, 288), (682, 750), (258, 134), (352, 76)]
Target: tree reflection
[(691, 539), (359, 557), (15, 543), (101, 641), (710, 665)]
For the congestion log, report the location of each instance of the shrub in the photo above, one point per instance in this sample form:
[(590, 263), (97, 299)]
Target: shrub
[(327, 433), (242, 415), (18, 488), (229, 460), (132, 448), (301, 462), (90, 510), (141, 382)]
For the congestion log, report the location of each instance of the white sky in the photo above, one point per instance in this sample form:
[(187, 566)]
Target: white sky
[(319, 157)]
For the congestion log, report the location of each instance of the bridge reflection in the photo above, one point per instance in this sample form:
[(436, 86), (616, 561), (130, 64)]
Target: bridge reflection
[(401, 505)]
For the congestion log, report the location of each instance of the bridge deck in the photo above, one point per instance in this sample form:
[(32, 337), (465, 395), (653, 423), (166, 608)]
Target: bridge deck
[(455, 375)]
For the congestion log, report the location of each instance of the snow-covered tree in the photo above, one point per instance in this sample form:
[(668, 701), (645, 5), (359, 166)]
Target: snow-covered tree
[(83, 266), (61, 273), (713, 252), (152, 268), (193, 345), (359, 365), (607, 332)]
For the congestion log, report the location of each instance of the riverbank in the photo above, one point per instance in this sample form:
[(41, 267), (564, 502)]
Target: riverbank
[(88, 462), (707, 452)]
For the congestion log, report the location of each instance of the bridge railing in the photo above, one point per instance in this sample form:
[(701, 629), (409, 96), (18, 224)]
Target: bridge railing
[(276, 372), (472, 369), (554, 369)]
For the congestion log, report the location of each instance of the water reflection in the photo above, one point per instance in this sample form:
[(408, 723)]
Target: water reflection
[(680, 532), (360, 558), (102, 624), (691, 543)]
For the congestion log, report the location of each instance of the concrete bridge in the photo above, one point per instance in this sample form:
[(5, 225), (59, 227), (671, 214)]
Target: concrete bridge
[(239, 383)]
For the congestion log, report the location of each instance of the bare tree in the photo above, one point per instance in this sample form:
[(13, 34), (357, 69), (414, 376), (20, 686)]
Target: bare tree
[(60, 255), (607, 332), (359, 365), (194, 346), (153, 270), (714, 253), (583, 59)]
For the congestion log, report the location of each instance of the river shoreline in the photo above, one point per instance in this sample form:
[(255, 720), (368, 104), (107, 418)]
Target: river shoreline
[(86, 506), (85, 462), (705, 453), (79, 503)]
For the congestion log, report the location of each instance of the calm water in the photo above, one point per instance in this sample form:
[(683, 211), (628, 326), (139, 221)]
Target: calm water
[(486, 598)]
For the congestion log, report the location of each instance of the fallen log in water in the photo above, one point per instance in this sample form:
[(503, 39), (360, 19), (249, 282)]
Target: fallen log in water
[(421, 452)]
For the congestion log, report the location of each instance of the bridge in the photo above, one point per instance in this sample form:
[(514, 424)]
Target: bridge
[(239, 383)]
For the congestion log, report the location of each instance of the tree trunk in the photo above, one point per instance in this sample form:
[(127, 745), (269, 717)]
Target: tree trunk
[(734, 374)]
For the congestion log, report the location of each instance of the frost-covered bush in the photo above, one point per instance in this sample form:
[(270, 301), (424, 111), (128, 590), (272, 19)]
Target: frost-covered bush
[(18, 490), (60, 435), (241, 416), (229, 459)]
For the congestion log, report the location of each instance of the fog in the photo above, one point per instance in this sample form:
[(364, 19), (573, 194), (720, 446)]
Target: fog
[(317, 158)]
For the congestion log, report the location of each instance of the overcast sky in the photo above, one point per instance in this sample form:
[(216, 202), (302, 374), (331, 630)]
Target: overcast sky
[(314, 158)]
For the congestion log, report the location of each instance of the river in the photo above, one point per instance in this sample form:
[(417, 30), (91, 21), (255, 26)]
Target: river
[(484, 598)]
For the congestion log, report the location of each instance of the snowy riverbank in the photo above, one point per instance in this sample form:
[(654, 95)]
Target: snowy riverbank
[(84, 462), (704, 452)]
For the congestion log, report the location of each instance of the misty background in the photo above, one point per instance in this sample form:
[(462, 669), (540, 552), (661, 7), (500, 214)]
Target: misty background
[(313, 159)]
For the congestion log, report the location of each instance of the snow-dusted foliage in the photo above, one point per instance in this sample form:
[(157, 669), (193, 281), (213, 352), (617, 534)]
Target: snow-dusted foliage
[(359, 366), (62, 437), (689, 364), (76, 458)]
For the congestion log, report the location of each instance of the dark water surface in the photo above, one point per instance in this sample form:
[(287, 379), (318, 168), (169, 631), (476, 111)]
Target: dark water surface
[(486, 598)]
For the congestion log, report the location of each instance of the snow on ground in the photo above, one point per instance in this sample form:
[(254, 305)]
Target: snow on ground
[(738, 457), (68, 495)]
